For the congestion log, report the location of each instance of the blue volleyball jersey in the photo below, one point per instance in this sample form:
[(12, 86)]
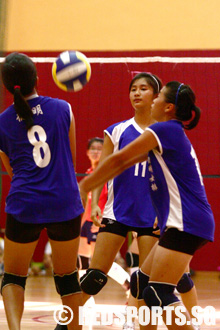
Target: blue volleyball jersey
[(128, 194), (176, 182), (44, 187)]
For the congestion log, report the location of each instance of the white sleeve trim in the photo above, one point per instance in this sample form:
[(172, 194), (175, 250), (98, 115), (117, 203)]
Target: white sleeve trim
[(158, 140), (109, 135)]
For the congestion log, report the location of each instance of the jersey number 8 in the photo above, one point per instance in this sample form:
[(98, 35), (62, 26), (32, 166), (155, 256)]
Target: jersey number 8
[(41, 151)]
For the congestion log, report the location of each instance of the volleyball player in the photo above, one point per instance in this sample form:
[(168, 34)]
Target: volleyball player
[(177, 190), (37, 143), (89, 231), (128, 206)]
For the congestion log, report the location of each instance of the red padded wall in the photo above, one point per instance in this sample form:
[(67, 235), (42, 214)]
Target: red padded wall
[(105, 101)]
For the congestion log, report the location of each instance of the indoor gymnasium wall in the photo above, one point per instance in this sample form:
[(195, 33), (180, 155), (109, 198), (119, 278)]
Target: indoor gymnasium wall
[(96, 25), (126, 29)]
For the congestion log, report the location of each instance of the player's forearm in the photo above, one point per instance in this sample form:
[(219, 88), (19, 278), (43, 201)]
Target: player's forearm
[(114, 165), (96, 195), (109, 168)]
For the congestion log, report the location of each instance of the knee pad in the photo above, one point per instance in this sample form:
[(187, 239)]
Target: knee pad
[(13, 279), (93, 281), (185, 284), (159, 294), (132, 259), (67, 284), (138, 283), (82, 262)]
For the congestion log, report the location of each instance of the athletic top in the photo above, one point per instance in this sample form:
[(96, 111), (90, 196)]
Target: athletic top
[(128, 194), (44, 187), (177, 187), (102, 200)]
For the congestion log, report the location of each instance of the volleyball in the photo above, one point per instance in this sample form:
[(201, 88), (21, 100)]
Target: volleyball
[(71, 71)]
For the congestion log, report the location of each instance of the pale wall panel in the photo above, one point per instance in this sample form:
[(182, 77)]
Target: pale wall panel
[(112, 25)]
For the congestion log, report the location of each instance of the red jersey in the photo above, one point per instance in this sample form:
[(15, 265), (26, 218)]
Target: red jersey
[(102, 200)]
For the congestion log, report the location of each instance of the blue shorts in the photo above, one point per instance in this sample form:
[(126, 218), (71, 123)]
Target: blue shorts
[(86, 232)]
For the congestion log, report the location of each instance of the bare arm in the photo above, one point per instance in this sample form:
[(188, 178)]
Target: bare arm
[(5, 161), (116, 163), (107, 150), (83, 218), (96, 214)]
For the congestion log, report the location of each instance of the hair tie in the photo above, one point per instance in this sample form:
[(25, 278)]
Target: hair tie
[(177, 93), (17, 87)]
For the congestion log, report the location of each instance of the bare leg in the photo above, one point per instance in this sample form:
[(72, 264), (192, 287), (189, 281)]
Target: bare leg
[(13, 298), (106, 247), (148, 326), (92, 246), (175, 326), (13, 295), (85, 297), (168, 267), (145, 244), (84, 248), (64, 255), (190, 298)]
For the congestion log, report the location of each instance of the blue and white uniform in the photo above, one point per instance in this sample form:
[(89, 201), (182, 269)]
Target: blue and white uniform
[(176, 183), (44, 187), (128, 194)]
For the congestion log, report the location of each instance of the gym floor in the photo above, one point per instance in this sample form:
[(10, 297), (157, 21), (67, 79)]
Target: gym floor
[(42, 300)]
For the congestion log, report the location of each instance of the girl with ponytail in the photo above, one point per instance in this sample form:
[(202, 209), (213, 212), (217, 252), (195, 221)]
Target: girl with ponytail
[(37, 147), (184, 215), (183, 98), (19, 76)]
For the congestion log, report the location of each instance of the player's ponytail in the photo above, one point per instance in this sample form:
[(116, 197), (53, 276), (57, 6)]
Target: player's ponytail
[(22, 108), (19, 76), (196, 113), (183, 98)]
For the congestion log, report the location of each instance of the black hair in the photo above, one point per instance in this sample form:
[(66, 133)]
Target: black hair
[(19, 76), (183, 97), (95, 139), (150, 78)]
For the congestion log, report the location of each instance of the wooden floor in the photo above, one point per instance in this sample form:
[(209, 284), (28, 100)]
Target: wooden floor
[(42, 300)]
